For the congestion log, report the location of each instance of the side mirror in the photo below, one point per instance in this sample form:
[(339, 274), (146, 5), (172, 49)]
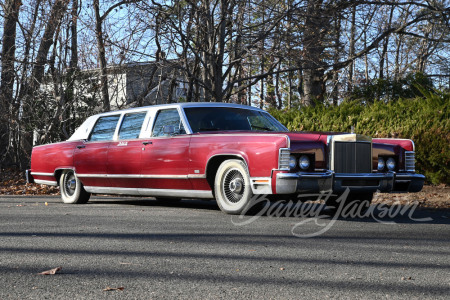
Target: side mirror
[(169, 130)]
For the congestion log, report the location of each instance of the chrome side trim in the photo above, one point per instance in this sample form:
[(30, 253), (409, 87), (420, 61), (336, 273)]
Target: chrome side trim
[(47, 182), (196, 176), (119, 176), (140, 176), (41, 174), (111, 190), (91, 175), (150, 192), (147, 176)]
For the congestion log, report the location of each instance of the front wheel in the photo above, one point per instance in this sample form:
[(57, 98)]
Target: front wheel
[(72, 190), (232, 187)]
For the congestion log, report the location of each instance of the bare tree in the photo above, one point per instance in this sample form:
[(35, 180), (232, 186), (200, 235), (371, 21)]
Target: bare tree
[(11, 11)]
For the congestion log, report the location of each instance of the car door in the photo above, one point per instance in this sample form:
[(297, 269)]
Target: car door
[(90, 157), (124, 154), (165, 156)]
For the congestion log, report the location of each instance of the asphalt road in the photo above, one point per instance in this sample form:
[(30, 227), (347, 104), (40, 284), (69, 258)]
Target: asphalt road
[(190, 250)]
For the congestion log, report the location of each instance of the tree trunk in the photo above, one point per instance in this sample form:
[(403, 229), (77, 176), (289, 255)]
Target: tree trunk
[(383, 57), (351, 50), (313, 45), (58, 9), (101, 57), (11, 12), (337, 45)]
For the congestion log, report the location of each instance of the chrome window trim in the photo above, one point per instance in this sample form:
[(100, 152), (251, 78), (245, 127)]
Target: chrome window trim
[(119, 125), (180, 115), (185, 121), (114, 137)]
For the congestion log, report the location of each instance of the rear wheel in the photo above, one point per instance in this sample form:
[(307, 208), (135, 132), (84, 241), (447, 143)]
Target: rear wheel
[(232, 187), (72, 190)]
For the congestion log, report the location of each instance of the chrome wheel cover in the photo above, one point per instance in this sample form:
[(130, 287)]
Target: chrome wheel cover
[(70, 184), (233, 185)]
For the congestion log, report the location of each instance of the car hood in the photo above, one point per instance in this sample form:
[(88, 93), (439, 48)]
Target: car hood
[(303, 136)]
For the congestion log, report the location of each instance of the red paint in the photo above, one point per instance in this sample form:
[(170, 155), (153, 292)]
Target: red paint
[(92, 159), (181, 162), (405, 144)]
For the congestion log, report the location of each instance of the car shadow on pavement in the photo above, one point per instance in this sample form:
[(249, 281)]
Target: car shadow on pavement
[(381, 213), (149, 202)]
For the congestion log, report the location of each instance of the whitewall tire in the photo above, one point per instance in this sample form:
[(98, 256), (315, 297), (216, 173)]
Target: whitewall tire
[(232, 187), (72, 190)]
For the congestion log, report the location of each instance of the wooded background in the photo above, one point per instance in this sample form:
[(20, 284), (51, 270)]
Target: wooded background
[(274, 54)]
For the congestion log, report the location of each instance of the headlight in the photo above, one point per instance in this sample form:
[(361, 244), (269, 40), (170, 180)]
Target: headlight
[(390, 163), (292, 161), (380, 163), (304, 162)]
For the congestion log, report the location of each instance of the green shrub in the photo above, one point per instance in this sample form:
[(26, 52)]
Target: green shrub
[(424, 120)]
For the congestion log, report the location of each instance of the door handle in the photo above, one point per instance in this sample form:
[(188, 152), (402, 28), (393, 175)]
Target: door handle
[(81, 146), (146, 143)]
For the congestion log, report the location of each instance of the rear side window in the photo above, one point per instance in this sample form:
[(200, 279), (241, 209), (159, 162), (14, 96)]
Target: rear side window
[(104, 128), (131, 126), (168, 117)]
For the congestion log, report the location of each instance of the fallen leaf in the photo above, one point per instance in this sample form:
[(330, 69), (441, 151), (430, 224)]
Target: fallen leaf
[(407, 278), (51, 272), (113, 289)]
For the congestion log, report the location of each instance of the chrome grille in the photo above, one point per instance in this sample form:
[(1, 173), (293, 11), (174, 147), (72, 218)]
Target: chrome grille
[(410, 161), (283, 159), (352, 157)]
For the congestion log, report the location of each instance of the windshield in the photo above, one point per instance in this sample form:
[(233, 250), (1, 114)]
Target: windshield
[(226, 118)]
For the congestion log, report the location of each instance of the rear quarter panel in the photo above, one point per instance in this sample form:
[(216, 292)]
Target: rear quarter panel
[(48, 158)]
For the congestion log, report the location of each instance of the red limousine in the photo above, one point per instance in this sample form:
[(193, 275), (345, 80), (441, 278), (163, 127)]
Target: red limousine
[(218, 151)]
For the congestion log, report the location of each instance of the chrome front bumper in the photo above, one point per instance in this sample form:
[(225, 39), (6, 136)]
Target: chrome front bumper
[(291, 183)]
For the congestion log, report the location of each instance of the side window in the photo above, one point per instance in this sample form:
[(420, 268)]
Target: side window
[(131, 126), (168, 117), (104, 128)]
